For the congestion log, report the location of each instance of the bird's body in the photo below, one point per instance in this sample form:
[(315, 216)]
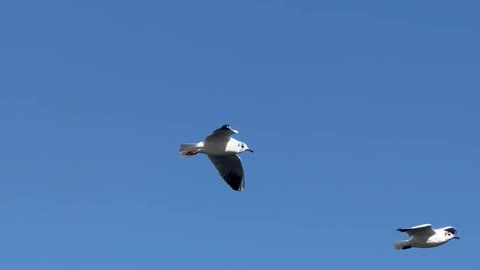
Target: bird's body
[(423, 236), (223, 151), (218, 147)]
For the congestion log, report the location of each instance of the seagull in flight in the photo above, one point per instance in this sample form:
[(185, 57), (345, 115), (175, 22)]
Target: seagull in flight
[(423, 236), (223, 151)]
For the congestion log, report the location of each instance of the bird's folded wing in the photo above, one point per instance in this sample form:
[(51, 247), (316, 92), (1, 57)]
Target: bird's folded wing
[(449, 229), (424, 229), (230, 169)]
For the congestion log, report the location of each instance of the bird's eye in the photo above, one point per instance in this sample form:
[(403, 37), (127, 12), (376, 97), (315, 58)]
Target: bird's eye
[(243, 146)]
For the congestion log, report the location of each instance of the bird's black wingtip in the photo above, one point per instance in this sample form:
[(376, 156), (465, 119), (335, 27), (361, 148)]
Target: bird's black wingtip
[(237, 188), (225, 127)]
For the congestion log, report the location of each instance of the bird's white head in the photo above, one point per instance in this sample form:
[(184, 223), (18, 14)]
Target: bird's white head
[(449, 236), (243, 147)]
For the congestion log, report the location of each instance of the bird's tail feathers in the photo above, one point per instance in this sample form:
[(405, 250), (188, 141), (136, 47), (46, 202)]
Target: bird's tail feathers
[(190, 149), (400, 244)]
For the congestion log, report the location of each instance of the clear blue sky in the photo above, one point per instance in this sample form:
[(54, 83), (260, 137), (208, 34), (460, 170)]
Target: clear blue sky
[(364, 117)]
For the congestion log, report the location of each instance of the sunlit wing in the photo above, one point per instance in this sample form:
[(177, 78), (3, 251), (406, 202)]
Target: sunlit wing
[(225, 131), (424, 229)]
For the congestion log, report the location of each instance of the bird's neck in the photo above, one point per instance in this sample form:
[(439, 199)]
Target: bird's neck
[(438, 238), (232, 146)]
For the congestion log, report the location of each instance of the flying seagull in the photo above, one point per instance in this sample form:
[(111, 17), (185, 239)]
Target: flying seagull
[(223, 151), (423, 236)]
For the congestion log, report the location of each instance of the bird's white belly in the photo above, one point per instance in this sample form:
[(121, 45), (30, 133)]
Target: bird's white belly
[(217, 148), (428, 243)]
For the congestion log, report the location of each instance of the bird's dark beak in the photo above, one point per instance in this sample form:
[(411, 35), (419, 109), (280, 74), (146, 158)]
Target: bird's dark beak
[(250, 150), (456, 237)]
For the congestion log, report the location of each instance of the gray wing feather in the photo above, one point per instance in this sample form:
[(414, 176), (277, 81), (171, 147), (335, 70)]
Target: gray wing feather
[(230, 169), (423, 230), (225, 131)]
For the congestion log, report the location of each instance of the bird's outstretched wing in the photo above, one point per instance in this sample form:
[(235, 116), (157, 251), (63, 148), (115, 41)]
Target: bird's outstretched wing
[(230, 169), (450, 229), (424, 229), (225, 130)]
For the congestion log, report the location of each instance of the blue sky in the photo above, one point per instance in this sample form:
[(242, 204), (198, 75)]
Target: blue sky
[(363, 116)]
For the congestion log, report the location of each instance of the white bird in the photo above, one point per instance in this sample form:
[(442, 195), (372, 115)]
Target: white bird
[(423, 236), (223, 151)]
